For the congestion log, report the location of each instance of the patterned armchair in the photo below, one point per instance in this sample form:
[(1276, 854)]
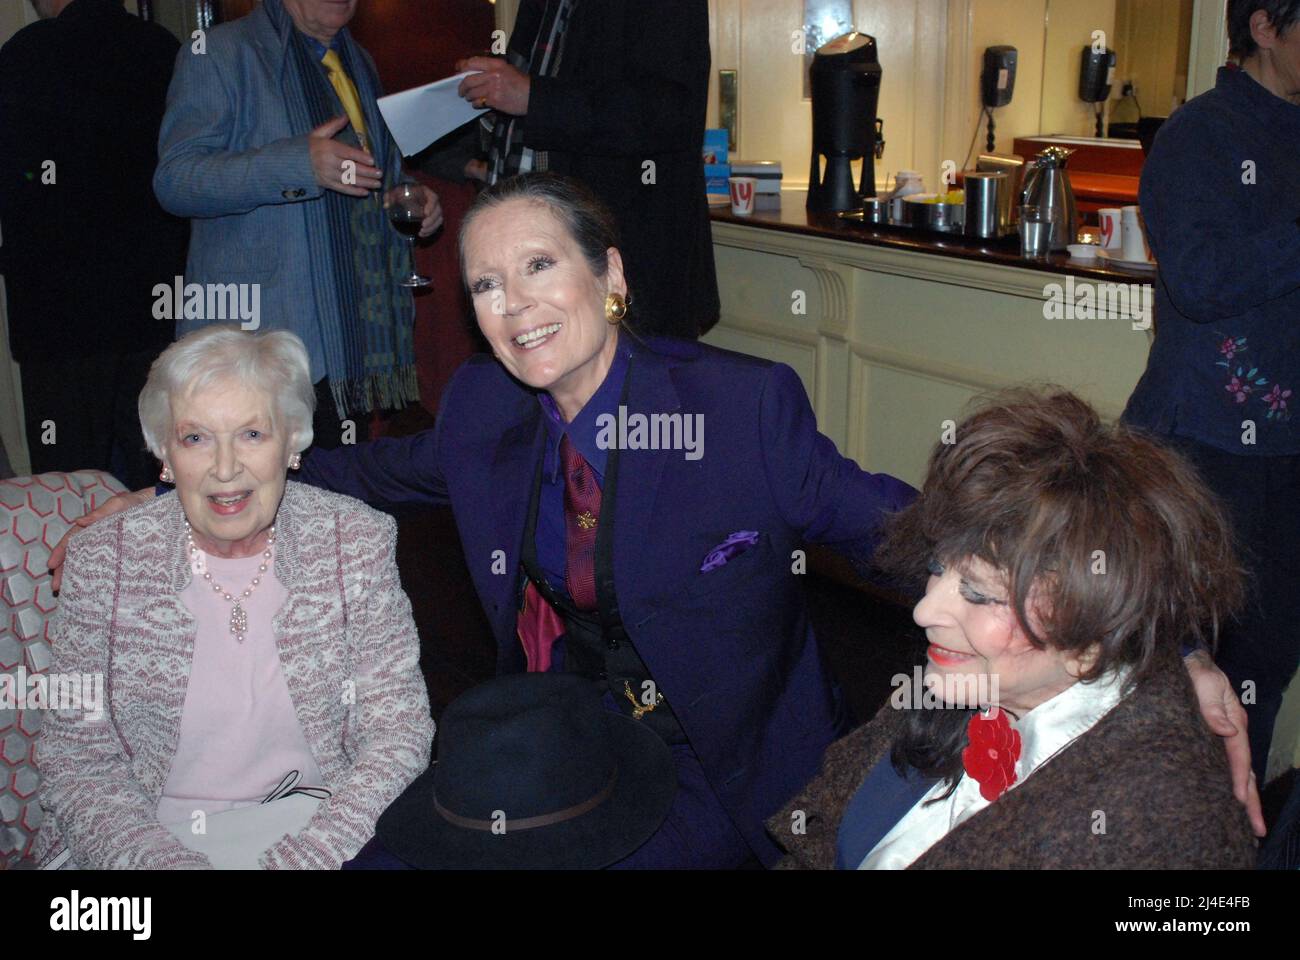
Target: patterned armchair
[(35, 512)]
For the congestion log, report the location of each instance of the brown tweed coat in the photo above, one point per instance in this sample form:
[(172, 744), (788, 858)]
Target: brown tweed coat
[(1150, 766)]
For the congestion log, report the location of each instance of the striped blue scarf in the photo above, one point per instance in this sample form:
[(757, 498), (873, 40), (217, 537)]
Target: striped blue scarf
[(366, 318)]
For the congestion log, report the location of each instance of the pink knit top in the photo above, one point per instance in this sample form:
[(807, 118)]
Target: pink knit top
[(239, 733)]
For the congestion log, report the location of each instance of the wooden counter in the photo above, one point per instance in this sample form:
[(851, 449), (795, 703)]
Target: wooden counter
[(893, 332), (794, 218)]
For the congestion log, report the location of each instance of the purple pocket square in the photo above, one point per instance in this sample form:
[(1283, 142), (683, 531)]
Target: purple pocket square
[(738, 542)]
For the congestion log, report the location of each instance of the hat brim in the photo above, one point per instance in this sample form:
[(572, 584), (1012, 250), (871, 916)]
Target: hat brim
[(413, 830)]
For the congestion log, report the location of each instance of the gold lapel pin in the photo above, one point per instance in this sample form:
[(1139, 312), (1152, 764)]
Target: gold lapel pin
[(640, 709)]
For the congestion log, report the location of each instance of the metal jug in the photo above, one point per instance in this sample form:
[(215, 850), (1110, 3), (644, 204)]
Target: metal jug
[(1047, 186)]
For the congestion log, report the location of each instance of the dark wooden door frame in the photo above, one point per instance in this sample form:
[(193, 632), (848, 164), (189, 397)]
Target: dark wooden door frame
[(208, 11)]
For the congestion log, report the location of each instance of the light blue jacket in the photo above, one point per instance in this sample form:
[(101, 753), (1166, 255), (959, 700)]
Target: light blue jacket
[(229, 160)]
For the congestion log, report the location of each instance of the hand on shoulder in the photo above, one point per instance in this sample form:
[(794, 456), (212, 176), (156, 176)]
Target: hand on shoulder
[(115, 505)]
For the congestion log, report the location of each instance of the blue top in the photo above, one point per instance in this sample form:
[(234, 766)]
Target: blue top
[(883, 799), (582, 431), (1221, 202)]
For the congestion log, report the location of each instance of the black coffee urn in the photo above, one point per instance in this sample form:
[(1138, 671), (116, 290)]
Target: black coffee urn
[(845, 77)]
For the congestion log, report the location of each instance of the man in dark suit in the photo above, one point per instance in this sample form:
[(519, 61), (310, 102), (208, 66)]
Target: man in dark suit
[(614, 94), (85, 242)]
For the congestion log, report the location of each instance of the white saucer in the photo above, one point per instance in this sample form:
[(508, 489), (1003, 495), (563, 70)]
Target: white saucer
[(1118, 260)]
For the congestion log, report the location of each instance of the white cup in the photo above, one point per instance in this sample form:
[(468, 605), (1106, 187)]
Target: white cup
[(1134, 245), (742, 194), (907, 183), (1112, 235)]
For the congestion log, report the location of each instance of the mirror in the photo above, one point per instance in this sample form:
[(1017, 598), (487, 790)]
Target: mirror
[(823, 20), (182, 19), (1152, 41)]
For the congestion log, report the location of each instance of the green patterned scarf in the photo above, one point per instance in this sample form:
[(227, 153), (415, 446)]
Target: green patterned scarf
[(357, 258)]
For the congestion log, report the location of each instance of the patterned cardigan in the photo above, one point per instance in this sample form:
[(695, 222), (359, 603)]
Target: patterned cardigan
[(349, 652), (1146, 788)]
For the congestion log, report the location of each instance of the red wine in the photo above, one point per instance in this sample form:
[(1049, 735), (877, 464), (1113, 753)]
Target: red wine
[(408, 228)]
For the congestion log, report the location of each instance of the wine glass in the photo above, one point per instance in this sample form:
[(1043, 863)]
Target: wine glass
[(406, 213)]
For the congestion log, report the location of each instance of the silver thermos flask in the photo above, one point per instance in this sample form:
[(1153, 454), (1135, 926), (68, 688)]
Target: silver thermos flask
[(1047, 186)]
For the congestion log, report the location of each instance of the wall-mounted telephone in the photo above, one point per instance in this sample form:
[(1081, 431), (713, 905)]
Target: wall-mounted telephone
[(1096, 73), (997, 84), (998, 80)]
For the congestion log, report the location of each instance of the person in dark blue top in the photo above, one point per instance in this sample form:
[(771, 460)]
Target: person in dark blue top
[(1220, 196)]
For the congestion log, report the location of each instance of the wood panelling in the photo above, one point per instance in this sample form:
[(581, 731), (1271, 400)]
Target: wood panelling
[(418, 41), (412, 41), (234, 9)]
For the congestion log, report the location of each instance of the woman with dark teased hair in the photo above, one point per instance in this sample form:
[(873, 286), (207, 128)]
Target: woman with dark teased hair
[(1068, 561)]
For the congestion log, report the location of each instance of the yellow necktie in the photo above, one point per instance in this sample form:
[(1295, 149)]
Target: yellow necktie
[(347, 92)]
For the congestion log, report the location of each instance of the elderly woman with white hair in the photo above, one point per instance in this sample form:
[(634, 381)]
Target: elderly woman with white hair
[(263, 700)]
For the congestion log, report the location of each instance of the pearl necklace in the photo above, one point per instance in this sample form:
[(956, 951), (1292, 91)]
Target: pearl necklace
[(238, 615)]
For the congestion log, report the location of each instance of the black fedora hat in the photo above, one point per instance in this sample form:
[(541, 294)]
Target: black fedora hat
[(533, 772)]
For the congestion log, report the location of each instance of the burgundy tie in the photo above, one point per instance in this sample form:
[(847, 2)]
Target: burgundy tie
[(581, 511), (538, 625)]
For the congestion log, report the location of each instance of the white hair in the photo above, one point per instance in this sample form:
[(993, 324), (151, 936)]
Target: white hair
[(274, 361)]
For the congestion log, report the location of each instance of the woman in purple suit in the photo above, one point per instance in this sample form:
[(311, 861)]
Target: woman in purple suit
[(632, 511)]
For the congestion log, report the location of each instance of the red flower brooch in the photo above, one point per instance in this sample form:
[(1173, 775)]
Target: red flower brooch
[(991, 754)]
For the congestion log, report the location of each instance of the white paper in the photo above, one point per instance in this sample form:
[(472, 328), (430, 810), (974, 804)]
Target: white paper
[(421, 115)]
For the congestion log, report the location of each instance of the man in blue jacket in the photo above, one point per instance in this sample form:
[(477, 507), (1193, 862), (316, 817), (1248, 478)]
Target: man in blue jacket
[(273, 143)]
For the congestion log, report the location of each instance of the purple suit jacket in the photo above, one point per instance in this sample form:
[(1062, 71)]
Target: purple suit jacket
[(731, 648)]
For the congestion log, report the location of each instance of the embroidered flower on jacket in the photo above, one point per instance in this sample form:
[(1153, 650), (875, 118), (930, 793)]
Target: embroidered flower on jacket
[(1230, 346), (1276, 400), (1239, 388), (1242, 383)]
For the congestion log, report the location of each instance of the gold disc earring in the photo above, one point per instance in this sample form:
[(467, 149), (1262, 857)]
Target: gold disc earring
[(615, 309)]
